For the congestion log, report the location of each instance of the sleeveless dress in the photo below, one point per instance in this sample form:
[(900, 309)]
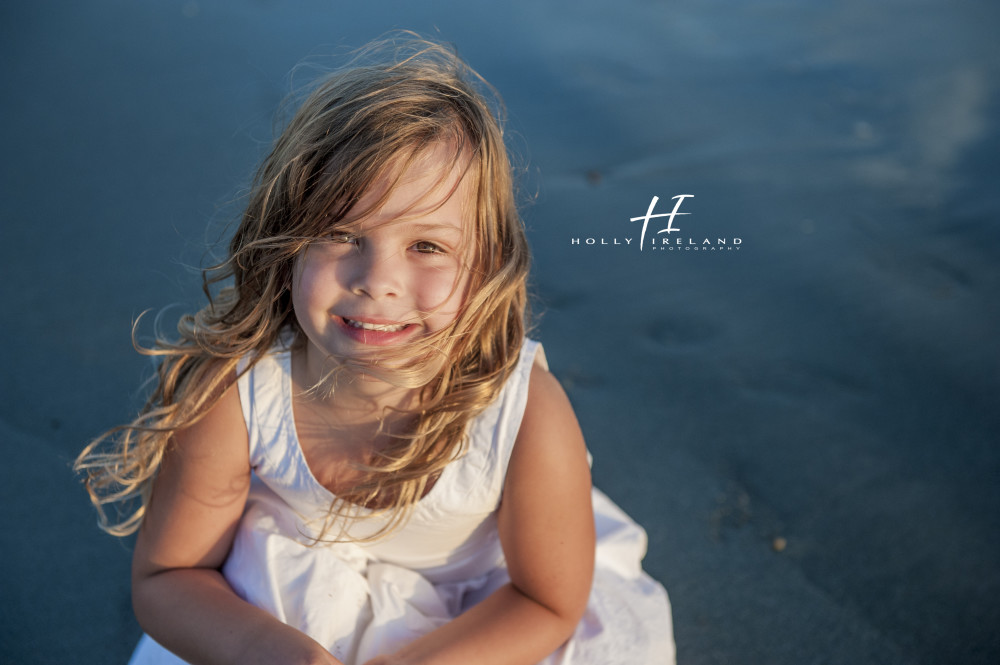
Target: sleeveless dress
[(363, 599)]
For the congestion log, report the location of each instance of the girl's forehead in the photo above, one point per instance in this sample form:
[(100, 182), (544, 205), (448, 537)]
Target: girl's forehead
[(434, 185)]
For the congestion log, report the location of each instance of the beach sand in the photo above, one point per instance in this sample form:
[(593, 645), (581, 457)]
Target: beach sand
[(806, 425)]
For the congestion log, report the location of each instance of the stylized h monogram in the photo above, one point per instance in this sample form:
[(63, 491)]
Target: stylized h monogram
[(670, 224)]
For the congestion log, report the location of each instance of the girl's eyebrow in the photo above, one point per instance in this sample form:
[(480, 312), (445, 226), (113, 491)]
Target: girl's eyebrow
[(431, 226)]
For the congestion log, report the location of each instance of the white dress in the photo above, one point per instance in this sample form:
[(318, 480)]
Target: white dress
[(362, 599)]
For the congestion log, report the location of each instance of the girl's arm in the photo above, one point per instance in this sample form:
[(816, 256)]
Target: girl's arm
[(179, 595), (546, 527)]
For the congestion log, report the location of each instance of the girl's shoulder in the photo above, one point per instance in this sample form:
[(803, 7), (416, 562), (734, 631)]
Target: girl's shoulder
[(549, 434), (547, 406), (221, 432)]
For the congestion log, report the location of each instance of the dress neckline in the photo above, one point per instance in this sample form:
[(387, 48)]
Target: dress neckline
[(285, 359)]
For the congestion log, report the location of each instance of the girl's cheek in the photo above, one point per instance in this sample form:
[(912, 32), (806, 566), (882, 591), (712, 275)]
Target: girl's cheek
[(450, 294), (448, 286), (307, 284)]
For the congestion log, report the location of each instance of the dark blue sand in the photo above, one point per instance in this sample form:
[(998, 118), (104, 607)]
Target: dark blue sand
[(830, 386)]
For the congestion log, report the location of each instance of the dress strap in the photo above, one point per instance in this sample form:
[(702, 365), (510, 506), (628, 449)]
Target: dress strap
[(514, 400), (266, 410)]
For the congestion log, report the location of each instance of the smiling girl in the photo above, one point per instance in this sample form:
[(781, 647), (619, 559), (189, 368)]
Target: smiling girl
[(352, 453)]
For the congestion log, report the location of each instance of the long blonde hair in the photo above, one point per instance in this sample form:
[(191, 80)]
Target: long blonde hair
[(392, 101)]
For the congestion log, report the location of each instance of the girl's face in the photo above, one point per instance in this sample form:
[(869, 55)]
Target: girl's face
[(402, 275)]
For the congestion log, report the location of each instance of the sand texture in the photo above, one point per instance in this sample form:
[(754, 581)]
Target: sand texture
[(805, 421)]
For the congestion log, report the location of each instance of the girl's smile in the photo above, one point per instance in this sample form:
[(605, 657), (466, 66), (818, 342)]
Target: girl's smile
[(373, 332)]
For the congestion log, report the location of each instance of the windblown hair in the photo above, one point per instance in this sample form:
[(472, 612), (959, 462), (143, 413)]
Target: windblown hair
[(360, 126)]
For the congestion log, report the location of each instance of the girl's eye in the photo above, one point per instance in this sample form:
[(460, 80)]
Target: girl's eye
[(425, 247), (343, 237)]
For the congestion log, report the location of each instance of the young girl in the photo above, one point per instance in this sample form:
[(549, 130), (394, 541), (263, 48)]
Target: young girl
[(352, 454)]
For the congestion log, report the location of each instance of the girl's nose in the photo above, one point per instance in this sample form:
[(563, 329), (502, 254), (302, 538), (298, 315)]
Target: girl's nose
[(377, 275)]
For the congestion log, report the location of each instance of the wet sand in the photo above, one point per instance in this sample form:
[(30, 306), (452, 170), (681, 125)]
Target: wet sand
[(806, 425)]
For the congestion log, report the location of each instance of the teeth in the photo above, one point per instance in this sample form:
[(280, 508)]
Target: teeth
[(374, 326)]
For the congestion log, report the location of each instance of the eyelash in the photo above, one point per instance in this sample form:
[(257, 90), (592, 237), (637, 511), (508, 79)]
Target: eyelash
[(343, 238), (428, 247)]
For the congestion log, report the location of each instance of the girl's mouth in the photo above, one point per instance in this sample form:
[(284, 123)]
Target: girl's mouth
[(361, 325), (377, 334)]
